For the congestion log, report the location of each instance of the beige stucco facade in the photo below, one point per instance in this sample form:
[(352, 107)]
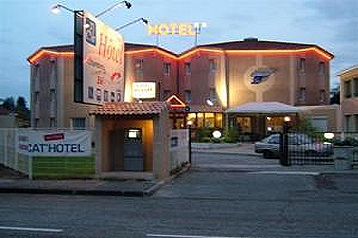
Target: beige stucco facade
[(349, 98)]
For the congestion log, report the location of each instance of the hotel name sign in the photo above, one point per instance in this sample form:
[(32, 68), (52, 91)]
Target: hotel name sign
[(182, 29)]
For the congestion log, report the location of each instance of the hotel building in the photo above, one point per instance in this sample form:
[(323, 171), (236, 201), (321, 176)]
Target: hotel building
[(200, 83)]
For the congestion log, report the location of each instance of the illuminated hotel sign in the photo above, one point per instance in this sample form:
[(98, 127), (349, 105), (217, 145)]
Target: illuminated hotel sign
[(183, 29), (143, 90), (99, 61)]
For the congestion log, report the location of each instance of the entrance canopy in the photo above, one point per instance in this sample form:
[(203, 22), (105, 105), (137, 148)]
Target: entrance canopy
[(264, 108)]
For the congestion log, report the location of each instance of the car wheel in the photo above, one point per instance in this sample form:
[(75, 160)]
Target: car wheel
[(267, 154)]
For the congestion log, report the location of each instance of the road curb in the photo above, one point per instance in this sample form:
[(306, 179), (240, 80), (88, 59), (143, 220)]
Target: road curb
[(150, 191), (53, 191)]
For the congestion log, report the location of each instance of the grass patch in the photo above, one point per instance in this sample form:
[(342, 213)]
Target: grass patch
[(63, 167)]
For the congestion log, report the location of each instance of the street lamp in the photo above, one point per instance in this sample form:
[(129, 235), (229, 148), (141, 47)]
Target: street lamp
[(197, 28), (145, 21), (116, 5), (57, 8)]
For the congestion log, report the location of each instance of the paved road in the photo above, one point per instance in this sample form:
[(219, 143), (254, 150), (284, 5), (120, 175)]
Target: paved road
[(201, 203)]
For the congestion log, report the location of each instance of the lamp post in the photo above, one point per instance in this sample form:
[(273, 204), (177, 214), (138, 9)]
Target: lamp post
[(198, 26), (57, 8), (284, 142), (118, 4), (189, 124), (145, 21)]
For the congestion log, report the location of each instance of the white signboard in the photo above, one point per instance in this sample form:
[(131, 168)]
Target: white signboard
[(103, 62), (54, 143), (144, 90)]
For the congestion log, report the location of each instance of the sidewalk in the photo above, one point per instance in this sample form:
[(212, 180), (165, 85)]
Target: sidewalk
[(10, 182)]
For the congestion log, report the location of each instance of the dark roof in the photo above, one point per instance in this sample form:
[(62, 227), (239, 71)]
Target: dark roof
[(130, 108)]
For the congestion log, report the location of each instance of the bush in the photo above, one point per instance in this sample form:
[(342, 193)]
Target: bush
[(203, 134), (231, 135)]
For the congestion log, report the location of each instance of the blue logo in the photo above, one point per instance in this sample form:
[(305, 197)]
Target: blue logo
[(261, 75)]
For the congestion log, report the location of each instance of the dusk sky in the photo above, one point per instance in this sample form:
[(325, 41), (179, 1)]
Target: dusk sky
[(26, 25)]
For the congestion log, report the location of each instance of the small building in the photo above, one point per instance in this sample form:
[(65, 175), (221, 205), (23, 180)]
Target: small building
[(349, 98), (132, 137)]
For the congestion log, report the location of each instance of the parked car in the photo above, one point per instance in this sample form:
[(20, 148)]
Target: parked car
[(300, 144)]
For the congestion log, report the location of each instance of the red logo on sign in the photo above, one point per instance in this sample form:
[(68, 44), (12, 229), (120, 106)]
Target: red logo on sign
[(57, 136)]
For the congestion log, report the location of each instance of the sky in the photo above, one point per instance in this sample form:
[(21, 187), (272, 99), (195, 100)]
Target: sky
[(27, 25)]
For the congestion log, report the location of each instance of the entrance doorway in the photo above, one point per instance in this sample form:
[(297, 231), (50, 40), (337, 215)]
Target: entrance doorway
[(133, 150)]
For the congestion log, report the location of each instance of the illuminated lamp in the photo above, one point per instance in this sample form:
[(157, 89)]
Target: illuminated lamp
[(55, 9), (216, 134), (209, 102), (329, 135), (287, 119)]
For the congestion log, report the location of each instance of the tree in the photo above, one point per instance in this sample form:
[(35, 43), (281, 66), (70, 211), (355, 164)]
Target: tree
[(21, 109), (9, 104)]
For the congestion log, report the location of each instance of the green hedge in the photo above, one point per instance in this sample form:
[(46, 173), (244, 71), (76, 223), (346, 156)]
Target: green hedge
[(63, 167)]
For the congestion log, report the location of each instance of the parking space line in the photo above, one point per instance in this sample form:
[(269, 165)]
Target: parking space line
[(11, 228), (190, 236)]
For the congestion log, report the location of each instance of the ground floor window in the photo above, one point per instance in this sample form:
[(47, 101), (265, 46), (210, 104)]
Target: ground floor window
[(197, 119), (78, 122)]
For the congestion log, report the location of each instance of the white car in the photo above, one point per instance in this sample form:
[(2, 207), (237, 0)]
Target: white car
[(297, 144)]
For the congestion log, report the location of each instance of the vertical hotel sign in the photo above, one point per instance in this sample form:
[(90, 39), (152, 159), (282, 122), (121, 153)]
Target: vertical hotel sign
[(99, 61)]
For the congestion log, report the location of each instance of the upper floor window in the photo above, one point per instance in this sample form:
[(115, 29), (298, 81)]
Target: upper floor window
[(347, 89), (167, 68), (355, 87), (321, 68), (187, 68), (53, 122), (187, 96), (302, 95), (302, 64), (36, 122), (322, 95), (138, 64), (212, 65), (36, 97), (166, 94), (212, 95), (52, 95)]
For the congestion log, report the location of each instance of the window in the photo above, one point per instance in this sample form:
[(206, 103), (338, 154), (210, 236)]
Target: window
[(52, 95), (191, 117), (37, 122), (349, 124), (37, 97), (355, 88), (138, 64), (219, 120), (187, 68), (209, 120), (302, 95), (53, 122), (212, 95), (356, 122), (321, 68), (200, 119), (78, 122), (347, 89), (212, 65), (166, 94), (187, 96), (167, 69), (302, 65), (322, 95)]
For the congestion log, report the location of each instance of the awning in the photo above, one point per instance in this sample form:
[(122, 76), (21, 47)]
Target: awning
[(264, 108)]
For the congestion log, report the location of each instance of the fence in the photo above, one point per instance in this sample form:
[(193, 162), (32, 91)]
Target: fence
[(9, 155), (44, 165), (317, 148)]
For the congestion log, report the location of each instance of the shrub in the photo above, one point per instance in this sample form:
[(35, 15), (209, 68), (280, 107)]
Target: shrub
[(231, 135)]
